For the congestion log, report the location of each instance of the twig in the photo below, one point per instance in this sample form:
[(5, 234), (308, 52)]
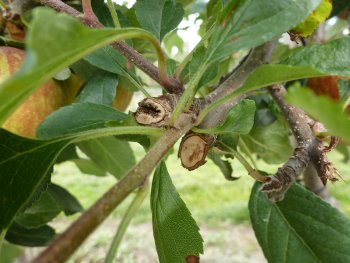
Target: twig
[(171, 84), (257, 57), (308, 149), (64, 246)]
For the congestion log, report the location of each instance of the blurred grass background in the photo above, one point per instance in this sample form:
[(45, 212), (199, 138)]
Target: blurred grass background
[(219, 207)]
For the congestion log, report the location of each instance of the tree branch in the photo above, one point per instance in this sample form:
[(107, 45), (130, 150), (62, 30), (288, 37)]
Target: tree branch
[(64, 246), (308, 149), (257, 57), (171, 84)]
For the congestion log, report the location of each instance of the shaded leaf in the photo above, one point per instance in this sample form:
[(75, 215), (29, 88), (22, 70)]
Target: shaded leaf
[(224, 166), (40, 212), (301, 228), (108, 59), (34, 237), (24, 164), (68, 203), (175, 232), (112, 154), (158, 16), (269, 142), (87, 116), (68, 153), (89, 167), (240, 119), (323, 109), (100, 89)]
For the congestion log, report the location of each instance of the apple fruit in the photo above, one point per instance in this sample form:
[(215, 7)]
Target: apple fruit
[(123, 98), (37, 106), (326, 86)]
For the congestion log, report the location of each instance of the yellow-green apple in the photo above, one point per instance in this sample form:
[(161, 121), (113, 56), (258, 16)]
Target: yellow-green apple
[(37, 106)]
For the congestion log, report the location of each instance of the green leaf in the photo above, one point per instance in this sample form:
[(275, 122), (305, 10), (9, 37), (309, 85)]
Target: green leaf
[(307, 62), (108, 59), (101, 89), (175, 232), (252, 23), (24, 164), (224, 166), (269, 142), (40, 212), (344, 90), (101, 11), (65, 40), (301, 228), (112, 154), (77, 117), (158, 16), (323, 109), (240, 119), (9, 253), (68, 203), (34, 237), (89, 167), (318, 56), (338, 6)]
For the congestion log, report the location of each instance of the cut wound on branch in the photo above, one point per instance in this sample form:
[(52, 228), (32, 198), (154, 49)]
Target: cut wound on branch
[(155, 111), (193, 149)]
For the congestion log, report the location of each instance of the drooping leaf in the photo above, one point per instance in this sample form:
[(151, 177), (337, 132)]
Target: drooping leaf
[(301, 228), (68, 203), (108, 59), (24, 164), (240, 119), (87, 166), (175, 232), (77, 117), (269, 142), (40, 212), (100, 89), (224, 166), (65, 40), (34, 237), (323, 109), (159, 16), (112, 154), (251, 23)]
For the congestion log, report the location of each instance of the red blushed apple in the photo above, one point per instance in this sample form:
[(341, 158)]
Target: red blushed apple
[(327, 86), (36, 107)]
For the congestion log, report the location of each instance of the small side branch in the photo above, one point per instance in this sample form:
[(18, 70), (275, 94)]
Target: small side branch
[(308, 150), (169, 83)]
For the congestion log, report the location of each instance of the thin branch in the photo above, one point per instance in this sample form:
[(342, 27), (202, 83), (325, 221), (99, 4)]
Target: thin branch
[(171, 84), (64, 246), (257, 57), (308, 149)]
